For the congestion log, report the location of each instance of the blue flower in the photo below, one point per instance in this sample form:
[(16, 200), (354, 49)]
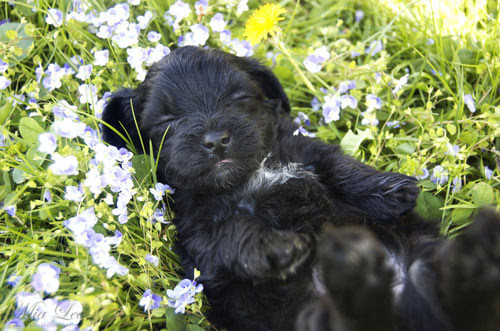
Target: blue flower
[(348, 101), (346, 86), (4, 82), (14, 325), (149, 300), (456, 184), (152, 259), (13, 280), (153, 36), (46, 278), (74, 193), (217, 23), (84, 72), (469, 102), (452, 149), (64, 165), (159, 190), (48, 143), (400, 83), (331, 108), (3, 66), (439, 175), (488, 172), (313, 62), (375, 47), (373, 102), (101, 57), (11, 210), (183, 295), (303, 132), (359, 14), (54, 17)]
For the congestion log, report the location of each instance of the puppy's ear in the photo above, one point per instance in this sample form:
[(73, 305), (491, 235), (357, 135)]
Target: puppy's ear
[(267, 81), (119, 113)]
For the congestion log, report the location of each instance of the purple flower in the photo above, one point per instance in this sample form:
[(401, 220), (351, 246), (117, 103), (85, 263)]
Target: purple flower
[(67, 128), (179, 10), (101, 57), (469, 102), (315, 104), (159, 215), (217, 23), (348, 101), (225, 36), (88, 93), (488, 172), (48, 143), (375, 47), (241, 48), (183, 295), (152, 259), (54, 17), (13, 280), (331, 108), (14, 325), (439, 175), (373, 102), (84, 72), (346, 86), (64, 165), (150, 301), (303, 132), (64, 110), (394, 124), (154, 36), (3, 66), (104, 32), (159, 189), (74, 193), (201, 7), (144, 20), (11, 210), (452, 149), (456, 184), (198, 37), (359, 14), (47, 196), (400, 83), (4, 82), (46, 278), (81, 222), (313, 62)]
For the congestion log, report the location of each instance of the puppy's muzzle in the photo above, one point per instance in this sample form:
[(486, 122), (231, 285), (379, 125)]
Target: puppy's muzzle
[(216, 141)]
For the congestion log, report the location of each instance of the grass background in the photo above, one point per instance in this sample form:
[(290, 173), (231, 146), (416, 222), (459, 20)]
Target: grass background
[(448, 49)]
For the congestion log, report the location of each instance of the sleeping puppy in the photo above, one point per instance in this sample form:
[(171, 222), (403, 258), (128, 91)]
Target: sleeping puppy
[(252, 198)]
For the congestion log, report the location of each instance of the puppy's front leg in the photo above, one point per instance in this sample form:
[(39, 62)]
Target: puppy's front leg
[(382, 195), (246, 247)]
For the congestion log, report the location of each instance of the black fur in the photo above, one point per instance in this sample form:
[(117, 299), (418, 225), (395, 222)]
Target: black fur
[(252, 199)]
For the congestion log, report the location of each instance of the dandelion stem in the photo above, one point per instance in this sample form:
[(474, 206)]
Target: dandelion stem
[(285, 51)]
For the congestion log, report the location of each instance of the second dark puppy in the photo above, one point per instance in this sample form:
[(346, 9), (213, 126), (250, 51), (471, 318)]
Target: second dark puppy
[(251, 200)]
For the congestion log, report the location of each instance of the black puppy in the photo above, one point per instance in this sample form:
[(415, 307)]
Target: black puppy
[(252, 198)]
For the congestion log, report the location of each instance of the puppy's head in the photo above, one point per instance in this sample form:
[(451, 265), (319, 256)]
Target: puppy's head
[(210, 116)]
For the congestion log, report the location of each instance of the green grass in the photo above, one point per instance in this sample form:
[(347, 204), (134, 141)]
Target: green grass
[(447, 48)]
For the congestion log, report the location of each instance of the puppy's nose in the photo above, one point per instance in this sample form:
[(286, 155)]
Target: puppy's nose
[(216, 141)]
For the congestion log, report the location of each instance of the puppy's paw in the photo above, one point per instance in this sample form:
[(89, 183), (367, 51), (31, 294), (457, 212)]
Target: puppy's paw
[(395, 195), (468, 269), (357, 277), (279, 254)]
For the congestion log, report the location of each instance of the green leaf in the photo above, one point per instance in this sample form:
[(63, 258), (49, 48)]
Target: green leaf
[(405, 148), (351, 141), (35, 156), (23, 41), (461, 215), (428, 205), (30, 129), (175, 322), (482, 194), (19, 176), (141, 165), (192, 327), (25, 7)]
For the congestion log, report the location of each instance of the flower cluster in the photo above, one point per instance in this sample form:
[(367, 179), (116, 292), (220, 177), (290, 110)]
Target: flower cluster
[(183, 294)]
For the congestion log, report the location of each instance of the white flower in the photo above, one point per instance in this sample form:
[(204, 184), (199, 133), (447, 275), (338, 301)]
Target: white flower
[(88, 93), (101, 57), (48, 143)]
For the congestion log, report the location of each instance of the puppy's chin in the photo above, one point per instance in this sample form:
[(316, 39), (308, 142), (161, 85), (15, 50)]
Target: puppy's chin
[(221, 177)]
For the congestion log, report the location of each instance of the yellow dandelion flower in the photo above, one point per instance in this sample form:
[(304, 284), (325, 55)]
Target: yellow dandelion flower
[(263, 22)]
